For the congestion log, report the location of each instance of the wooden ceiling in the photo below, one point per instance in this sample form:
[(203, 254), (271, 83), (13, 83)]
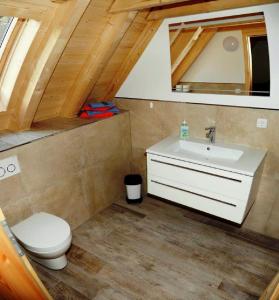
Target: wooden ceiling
[(99, 43)]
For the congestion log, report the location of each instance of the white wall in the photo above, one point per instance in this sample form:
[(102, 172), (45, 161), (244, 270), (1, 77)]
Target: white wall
[(217, 65), (150, 78)]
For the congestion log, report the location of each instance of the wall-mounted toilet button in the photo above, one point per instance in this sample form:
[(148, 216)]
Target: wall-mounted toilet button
[(2, 172), (11, 168)]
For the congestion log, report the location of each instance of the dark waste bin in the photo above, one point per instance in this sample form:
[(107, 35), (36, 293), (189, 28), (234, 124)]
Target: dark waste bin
[(133, 184)]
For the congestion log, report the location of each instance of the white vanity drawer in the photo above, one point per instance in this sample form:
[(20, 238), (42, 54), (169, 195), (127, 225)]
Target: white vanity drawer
[(208, 180), (229, 209)]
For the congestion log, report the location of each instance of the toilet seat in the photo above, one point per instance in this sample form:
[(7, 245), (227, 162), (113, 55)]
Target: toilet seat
[(43, 233)]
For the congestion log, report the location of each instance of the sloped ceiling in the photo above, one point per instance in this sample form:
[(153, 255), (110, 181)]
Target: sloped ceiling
[(55, 22), (106, 44)]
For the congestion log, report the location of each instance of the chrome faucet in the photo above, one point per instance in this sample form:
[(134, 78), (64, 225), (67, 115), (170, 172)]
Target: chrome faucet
[(211, 134)]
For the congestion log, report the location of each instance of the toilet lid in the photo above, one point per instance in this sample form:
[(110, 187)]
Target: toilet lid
[(42, 232)]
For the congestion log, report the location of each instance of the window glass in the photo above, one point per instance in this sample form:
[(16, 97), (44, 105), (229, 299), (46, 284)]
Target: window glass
[(5, 23)]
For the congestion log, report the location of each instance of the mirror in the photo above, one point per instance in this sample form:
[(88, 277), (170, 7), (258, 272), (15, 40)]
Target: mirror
[(226, 55)]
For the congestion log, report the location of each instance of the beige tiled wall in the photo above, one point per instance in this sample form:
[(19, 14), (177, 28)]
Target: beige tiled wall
[(234, 125), (73, 174)]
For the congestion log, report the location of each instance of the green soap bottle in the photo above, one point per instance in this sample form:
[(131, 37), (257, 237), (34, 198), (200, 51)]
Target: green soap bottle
[(184, 130)]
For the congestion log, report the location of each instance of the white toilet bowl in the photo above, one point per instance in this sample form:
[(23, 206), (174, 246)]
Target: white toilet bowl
[(46, 238)]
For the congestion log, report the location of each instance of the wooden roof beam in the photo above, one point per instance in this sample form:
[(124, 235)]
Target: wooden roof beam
[(175, 36), (128, 5), (58, 1), (191, 56), (187, 48), (230, 26), (198, 8)]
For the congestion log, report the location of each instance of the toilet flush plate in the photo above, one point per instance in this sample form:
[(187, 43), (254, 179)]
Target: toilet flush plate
[(9, 167)]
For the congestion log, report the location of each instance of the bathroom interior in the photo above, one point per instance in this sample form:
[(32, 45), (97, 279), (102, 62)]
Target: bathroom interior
[(139, 149)]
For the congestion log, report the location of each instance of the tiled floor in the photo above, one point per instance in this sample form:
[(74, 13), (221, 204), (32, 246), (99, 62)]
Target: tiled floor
[(156, 251)]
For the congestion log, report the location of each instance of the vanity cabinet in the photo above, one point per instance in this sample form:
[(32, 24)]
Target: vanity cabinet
[(222, 193)]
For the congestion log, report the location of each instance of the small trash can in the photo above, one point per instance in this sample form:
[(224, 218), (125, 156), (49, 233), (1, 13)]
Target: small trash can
[(133, 186)]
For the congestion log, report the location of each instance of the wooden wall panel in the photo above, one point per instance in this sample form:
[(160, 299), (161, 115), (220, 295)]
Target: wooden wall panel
[(82, 42), (99, 57), (100, 90)]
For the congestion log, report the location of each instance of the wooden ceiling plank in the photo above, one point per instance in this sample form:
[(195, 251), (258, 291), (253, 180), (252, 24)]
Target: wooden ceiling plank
[(28, 3), (31, 9), (184, 10), (80, 47), (192, 55), (132, 5), (134, 55), (108, 42)]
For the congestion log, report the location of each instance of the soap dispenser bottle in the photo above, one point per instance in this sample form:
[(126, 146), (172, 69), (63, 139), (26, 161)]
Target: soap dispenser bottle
[(184, 130)]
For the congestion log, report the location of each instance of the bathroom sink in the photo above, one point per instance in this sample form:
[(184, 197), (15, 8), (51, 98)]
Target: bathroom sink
[(206, 150), (231, 157)]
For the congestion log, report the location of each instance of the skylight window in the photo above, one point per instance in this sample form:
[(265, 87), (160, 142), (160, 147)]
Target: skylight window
[(5, 24), (7, 27), (16, 37)]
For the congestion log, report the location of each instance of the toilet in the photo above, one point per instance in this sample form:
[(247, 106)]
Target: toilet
[(46, 238)]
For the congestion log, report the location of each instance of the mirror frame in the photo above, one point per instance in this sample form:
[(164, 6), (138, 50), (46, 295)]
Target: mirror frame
[(155, 63)]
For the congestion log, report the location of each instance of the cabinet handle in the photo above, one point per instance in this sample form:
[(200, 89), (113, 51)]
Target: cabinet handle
[(197, 194), (194, 170)]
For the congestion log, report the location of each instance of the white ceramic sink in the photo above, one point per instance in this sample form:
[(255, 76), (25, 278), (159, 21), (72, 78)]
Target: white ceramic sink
[(206, 150), (230, 157)]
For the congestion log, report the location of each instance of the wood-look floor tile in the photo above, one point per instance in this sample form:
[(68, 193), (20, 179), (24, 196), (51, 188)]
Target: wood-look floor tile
[(74, 276), (48, 280), (85, 260), (154, 251), (64, 292), (236, 231), (236, 292), (125, 210), (113, 294)]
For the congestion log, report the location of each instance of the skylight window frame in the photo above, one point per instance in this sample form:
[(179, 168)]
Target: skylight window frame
[(9, 41), (16, 60), (8, 31)]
